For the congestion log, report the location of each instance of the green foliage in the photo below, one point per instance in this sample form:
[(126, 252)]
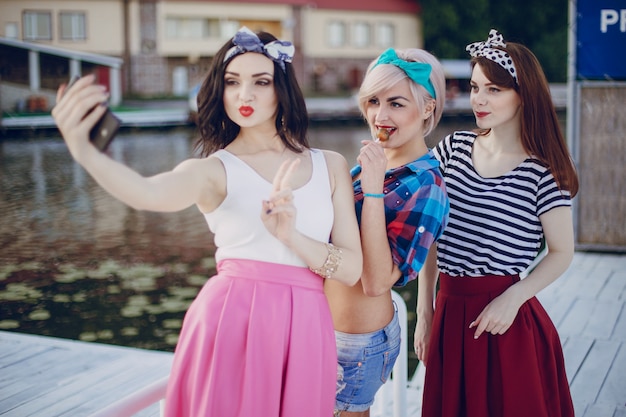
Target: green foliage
[(541, 25)]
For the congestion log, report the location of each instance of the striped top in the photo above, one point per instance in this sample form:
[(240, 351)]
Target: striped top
[(494, 226)]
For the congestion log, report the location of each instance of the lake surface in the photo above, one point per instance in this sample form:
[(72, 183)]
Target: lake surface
[(76, 263)]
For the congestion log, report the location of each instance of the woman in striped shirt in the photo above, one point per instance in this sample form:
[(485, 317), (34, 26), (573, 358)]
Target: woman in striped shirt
[(489, 347)]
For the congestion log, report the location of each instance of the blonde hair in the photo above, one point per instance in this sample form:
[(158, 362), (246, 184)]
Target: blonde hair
[(382, 77)]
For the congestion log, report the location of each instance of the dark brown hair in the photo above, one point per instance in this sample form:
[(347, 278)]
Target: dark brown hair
[(540, 130), (216, 128)]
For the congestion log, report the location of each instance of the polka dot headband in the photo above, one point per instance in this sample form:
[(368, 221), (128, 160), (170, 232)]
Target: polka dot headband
[(486, 49)]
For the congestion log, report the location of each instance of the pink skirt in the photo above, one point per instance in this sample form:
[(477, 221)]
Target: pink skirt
[(518, 374), (258, 340)]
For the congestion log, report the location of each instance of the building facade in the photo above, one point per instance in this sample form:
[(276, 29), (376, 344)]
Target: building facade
[(167, 45)]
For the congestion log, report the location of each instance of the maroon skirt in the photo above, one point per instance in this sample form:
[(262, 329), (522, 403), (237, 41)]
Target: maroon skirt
[(518, 374)]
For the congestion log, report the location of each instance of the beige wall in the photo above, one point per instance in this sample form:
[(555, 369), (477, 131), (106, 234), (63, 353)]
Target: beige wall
[(315, 22), (319, 66), (104, 23), (241, 12)]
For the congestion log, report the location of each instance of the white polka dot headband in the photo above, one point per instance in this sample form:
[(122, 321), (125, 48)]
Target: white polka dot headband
[(486, 49)]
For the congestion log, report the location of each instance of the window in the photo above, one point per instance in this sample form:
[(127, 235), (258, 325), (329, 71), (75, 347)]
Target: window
[(361, 34), (385, 35), (336, 34), (198, 28), (10, 30), (186, 28), (72, 26), (37, 26), (228, 28), (171, 28)]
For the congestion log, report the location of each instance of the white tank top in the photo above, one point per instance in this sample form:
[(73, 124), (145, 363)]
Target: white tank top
[(236, 223)]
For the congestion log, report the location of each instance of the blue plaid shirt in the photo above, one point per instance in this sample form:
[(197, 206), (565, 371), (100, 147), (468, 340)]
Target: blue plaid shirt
[(416, 211)]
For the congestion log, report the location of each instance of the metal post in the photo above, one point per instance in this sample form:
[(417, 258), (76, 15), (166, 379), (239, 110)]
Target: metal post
[(572, 121), (33, 70)]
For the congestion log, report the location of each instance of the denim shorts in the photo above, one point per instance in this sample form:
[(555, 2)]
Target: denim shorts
[(365, 363)]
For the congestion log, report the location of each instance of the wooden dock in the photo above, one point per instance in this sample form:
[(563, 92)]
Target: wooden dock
[(48, 377), (587, 304), (43, 376)]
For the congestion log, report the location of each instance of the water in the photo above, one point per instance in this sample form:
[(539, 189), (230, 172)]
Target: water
[(75, 263)]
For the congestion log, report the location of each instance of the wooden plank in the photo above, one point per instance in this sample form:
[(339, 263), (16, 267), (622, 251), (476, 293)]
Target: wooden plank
[(599, 410), (557, 307), (109, 383), (130, 380), (72, 391), (575, 350), (577, 317), (614, 386), (47, 380), (73, 378), (589, 379), (615, 287), (602, 319), (619, 333), (620, 411), (579, 407)]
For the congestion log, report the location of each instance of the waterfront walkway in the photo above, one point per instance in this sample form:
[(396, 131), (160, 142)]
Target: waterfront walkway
[(42, 376)]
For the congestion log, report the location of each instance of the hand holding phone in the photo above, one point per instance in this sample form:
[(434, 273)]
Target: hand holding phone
[(105, 129)]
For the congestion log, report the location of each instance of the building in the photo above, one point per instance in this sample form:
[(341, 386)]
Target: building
[(167, 45)]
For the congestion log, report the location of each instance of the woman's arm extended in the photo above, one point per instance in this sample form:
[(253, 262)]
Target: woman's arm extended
[(194, 181)]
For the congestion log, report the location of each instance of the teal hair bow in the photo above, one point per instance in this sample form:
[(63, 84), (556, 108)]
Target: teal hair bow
[(419, 72)]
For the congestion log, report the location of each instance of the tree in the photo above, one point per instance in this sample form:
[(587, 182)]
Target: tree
[(541, 25)]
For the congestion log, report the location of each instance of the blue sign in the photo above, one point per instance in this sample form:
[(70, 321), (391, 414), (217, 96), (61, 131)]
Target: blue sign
[(601, 39)]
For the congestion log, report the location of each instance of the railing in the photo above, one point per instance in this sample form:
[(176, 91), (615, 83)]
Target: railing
[(137, 401)]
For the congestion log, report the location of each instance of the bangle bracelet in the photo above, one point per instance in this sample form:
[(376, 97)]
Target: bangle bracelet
[(331, 264), (374, 195)]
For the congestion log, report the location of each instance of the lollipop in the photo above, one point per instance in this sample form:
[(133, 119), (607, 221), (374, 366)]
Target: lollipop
[(382, 135)]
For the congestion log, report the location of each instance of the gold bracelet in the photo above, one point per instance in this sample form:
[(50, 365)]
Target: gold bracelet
[(331, 264)]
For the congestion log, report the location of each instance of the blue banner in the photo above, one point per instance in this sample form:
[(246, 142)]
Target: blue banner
[(601, 40)]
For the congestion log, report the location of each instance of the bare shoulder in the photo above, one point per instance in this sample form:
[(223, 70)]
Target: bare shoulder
[(336, 162), (210, 165), (338, 170)]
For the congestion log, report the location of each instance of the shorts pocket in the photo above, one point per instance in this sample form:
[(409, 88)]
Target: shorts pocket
[(389, 361)]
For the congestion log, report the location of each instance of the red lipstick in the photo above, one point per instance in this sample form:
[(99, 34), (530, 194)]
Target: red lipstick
[(246, 111), (481, 114)]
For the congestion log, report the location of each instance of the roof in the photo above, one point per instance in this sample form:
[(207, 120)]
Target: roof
[(389, 6), (106, 60)]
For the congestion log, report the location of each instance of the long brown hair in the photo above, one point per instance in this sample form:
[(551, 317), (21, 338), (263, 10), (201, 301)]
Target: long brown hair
[(541, 133)]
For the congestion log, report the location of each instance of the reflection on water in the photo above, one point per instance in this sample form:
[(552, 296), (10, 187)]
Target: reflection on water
[(75, 263)]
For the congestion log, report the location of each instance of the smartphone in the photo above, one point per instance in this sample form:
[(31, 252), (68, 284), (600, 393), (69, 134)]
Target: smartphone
[(104, 131)]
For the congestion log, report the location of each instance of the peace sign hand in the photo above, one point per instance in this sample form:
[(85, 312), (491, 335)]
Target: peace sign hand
[(278, 212)]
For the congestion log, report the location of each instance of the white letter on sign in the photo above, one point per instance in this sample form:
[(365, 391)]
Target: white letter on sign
[(607, 17)]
